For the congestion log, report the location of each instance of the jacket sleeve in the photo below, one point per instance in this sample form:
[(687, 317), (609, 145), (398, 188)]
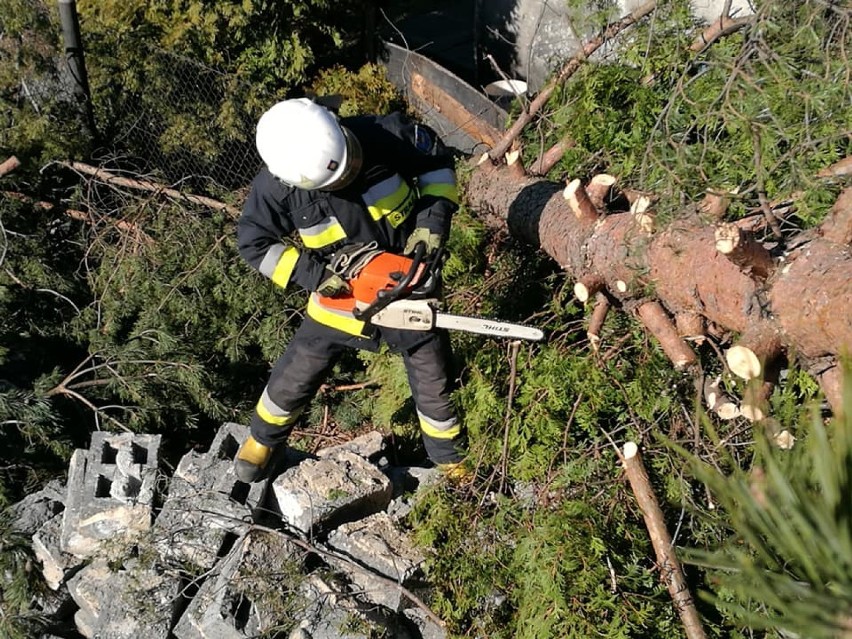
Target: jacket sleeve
[(263, 234), (425, 160)]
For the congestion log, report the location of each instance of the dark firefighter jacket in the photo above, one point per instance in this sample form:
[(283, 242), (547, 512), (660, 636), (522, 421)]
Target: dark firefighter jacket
[(406, 181)]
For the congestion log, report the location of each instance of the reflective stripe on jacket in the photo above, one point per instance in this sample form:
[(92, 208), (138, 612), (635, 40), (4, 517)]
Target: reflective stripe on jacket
[(407, 181)]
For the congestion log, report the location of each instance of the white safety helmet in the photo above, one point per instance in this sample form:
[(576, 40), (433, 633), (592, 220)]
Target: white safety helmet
[(304, 145)]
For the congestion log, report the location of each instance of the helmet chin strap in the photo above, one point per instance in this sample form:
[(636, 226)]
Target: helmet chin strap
[(354, 161)]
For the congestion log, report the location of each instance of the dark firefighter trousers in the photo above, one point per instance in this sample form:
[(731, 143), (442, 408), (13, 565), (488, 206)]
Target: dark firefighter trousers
[(313, 351)]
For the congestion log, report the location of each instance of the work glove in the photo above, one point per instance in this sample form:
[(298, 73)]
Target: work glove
[(332, 285), (431, 239)]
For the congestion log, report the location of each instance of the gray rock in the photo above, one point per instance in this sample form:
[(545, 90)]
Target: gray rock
[(428, 629), (369, 446)]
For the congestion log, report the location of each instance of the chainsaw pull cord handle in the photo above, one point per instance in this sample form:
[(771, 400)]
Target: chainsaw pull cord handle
[(384, 298)]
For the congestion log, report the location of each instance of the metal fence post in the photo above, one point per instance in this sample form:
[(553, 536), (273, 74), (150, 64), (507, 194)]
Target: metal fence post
[(75, 60)]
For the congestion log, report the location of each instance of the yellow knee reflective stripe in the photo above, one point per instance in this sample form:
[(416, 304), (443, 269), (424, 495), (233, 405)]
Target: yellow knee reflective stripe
[(327, 232), (279, 262), (269, 412), (437, 433), (340, 320)]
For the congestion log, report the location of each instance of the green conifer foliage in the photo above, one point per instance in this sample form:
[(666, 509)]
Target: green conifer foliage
[(787, 564)]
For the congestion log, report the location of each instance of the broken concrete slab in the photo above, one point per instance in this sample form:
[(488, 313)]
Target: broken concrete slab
[(407, 480), (33, 511), (369, 446), (133, 602), (319, 494), (328, 616), (207, 507), (426, 628), (377, 544), (55, 564), (251, 590), (110, 491)]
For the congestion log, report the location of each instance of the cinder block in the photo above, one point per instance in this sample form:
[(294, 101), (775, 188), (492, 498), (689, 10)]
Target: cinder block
[(207, 508), (110, 491), (320, 494), (239, 599)]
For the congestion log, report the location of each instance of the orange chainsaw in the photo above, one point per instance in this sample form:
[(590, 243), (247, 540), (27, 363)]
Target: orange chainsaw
[(396, 291)]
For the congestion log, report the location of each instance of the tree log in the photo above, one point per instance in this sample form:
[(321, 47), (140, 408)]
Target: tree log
[(153, 187), (838, 169), (806, 302), (690, 325), (837, 227), (714, 205), (453, 110), (719, 28), (831, 383), (551, 157), (742, 249), (655, 319), (671, 572)]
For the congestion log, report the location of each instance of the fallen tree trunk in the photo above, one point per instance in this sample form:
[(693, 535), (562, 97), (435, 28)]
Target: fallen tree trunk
[(804, 301)]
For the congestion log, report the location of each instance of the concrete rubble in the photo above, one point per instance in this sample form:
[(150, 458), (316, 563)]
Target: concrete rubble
[(316, 550), (320, 494)]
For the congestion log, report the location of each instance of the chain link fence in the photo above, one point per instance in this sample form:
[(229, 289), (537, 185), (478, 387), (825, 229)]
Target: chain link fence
[(184, 121)]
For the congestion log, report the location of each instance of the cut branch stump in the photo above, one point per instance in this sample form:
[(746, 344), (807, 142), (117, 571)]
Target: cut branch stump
[(654, 317)]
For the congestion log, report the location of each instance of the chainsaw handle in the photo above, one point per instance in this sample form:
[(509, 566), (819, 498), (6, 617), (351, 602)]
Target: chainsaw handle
[(383, 298)]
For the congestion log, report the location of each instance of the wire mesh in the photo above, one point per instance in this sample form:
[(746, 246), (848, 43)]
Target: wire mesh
[(184, 120)]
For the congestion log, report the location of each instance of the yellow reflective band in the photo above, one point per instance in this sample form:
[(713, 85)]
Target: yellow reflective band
[(319, 235), (393, 198), (340, 320), (448, 191), (275, 420), (284, 267), (435, 433)]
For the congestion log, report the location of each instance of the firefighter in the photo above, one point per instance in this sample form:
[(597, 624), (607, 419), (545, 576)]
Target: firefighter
[(331, 185)]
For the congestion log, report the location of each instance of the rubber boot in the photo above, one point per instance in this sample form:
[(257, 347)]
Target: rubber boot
[(456, 472), (250, 462)]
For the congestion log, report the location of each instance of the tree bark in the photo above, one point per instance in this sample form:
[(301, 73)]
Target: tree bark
[(805, 302), (671, 572)]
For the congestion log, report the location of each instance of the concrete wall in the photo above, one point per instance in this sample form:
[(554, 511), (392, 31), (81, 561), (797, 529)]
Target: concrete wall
[(528, 38)]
